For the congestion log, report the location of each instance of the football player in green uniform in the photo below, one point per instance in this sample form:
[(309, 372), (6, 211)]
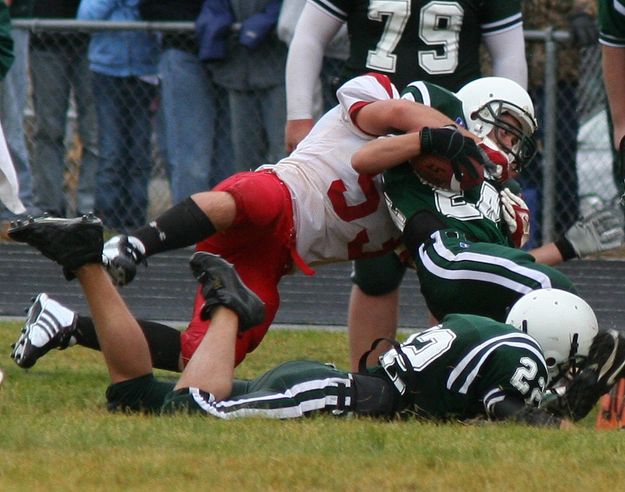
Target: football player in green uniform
[(405, 40), (467, 367), (465, 243)]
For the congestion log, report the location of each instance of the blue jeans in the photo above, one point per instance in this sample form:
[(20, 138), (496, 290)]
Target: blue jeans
[(54, 73), (255, 143), (124, 123), (197, 124), (12, 104)]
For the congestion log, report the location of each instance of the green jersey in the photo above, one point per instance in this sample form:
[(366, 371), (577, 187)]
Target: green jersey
[(421, 40), (612, 23), (462, 367), (476, 212)]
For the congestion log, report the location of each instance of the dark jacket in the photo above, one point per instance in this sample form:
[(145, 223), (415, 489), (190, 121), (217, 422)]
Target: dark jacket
[(173, 11), (53, 41)]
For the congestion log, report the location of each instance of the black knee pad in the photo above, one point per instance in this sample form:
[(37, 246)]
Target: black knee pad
[(373, 396), (378, 276)]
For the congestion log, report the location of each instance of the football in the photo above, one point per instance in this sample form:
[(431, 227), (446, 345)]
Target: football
[(438, 172)]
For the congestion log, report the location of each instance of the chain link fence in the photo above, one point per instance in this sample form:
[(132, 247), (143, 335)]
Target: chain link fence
[(169, 137)]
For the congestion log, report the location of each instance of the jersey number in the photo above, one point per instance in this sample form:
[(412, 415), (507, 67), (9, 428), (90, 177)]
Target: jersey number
[(421, 349), (454, 205), (527, 372), (439, 27), (349, 213)]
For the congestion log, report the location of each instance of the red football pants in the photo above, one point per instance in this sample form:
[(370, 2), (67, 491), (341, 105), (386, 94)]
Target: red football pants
[(259, 244)]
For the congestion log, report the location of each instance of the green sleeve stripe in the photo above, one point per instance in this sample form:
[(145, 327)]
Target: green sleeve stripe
[(502, 24), (332, 9)]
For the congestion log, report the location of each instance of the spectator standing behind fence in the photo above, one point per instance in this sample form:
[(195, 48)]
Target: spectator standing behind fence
[(576, 16), (124, 74), (59, 68), (238, 38), (197, 121), (13, 97), (612, 39)]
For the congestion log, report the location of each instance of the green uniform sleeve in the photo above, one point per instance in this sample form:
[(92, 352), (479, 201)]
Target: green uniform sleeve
[(612, 22)]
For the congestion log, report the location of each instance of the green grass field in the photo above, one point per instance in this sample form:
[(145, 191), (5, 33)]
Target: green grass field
[(55, 434)]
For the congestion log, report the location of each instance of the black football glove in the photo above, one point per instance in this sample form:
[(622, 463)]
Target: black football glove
[(605, 365), (583, 29), (448, 142)]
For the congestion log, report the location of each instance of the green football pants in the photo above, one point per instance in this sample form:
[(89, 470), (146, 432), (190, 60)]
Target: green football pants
[(458, 276)]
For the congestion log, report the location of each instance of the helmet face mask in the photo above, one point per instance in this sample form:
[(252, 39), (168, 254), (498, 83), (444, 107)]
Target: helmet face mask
[(496, 107), (492, 115), (562, 323)]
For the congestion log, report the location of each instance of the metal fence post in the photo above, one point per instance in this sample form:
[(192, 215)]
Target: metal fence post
[(549, 141)]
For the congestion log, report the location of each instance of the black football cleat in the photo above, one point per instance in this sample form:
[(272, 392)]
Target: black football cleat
[(222, 286), (604, 367), (70, 242)]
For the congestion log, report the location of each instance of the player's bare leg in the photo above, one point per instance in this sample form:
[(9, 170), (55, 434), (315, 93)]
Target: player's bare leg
[(211, 368), (186, 223), (369, 318), (232, 307), (122, 342), (219, 207), (76, 245)]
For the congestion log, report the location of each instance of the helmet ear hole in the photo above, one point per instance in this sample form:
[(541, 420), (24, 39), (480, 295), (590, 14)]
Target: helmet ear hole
[(551, 361)]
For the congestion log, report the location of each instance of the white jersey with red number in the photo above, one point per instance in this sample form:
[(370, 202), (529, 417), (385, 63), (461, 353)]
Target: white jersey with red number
[(339, 214)]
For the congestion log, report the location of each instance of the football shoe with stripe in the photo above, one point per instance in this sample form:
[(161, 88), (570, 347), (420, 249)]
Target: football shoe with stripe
[(48, 325)]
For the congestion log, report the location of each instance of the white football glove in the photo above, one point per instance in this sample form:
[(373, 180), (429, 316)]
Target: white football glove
[(517, 217), (600, 231), (120, 256)]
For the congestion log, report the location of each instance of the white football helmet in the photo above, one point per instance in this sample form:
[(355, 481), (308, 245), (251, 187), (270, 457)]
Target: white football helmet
[(562, 323), (486, 99)]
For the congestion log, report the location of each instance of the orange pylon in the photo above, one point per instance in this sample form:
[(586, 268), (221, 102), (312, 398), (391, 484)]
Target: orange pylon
[(611, 413)]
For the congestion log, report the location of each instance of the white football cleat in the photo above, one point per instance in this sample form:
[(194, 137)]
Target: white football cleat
[(48, 325)]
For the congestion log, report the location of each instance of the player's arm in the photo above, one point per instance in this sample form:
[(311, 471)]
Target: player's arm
[(613, 62), (598, 232), (314, 30), (386, 152), (448, 142), (513, 408), (397, 116), (507, 51)]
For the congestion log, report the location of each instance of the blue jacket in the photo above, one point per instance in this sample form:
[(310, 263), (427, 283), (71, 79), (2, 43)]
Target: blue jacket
[(119, 53), (249, 58)]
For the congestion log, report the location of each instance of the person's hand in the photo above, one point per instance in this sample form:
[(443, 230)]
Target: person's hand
[(600, 231), (450, 143), (517, 216), (583, 29), (295, 131)]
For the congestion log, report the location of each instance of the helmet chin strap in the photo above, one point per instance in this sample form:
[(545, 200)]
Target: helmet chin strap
[(574, 345)]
